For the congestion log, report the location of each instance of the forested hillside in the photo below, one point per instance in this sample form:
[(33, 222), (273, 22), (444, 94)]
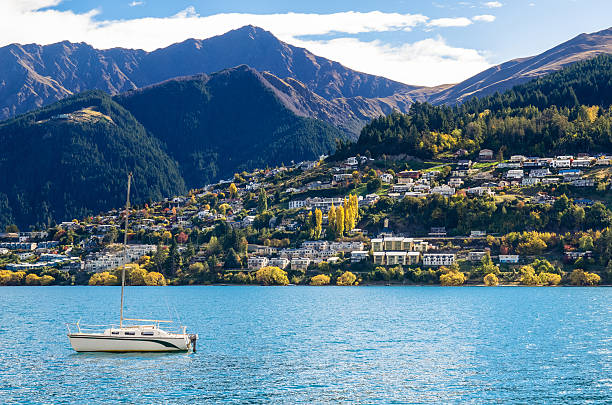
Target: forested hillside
[(230, 121), (71, 159), (567, 111)]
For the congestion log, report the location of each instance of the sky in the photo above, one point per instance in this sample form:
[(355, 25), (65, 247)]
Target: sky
[(412, 41)]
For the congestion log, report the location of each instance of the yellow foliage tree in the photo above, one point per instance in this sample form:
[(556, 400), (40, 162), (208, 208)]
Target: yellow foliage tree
[(233, 191), (318, 218), (154, 278), (581, 277), (452, 278), (47, 280), (104, 278), (271, 276), (528, 276), (549, 278), (491, 280), (321, 279), (136, 274), (339, 222), (347, 278), (32, 279)]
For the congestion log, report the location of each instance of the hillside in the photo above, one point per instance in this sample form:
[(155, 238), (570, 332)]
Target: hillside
[(564, 112), (226, 122), (505, 76), (71, 159)]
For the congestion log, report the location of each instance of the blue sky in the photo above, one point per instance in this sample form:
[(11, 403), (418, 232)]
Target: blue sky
[(418, 42)]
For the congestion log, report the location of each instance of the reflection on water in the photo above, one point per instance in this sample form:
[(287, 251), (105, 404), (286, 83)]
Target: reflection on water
[(301, 344)]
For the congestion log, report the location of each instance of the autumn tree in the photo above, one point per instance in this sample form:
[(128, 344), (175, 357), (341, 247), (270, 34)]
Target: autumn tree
[(271, 276), (233, 191), (491, 280), (347, 278), (318, 223), (320, 279)]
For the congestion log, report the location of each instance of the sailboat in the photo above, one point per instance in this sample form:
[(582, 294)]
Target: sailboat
[(131, 335)]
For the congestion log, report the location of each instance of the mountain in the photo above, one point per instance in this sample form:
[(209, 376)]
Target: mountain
[(215, 125), (33, 75), (505, 76), (566, 112), (70, 159)]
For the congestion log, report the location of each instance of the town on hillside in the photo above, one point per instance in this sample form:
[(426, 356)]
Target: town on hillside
[(464, 219)]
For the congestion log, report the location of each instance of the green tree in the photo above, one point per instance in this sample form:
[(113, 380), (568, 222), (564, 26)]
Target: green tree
[(232, 260), (262, 201)]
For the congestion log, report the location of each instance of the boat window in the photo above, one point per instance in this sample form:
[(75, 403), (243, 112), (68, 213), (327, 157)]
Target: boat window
[(146, 333), (115, 333), (130, 333)]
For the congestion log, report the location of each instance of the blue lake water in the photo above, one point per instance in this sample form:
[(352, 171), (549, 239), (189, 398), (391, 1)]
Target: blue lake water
[(317, 344)]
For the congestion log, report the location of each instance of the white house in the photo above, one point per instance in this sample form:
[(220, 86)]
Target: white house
[(515, 174), (359, 256), (438, 259), (257, 262), (443, 190), (386, 177), (511, 259)]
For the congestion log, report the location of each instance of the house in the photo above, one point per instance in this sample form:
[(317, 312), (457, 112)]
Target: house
[(478, 234), (584, 182), (340, 177), (296, 204), (402, 188), (300, 263), (550, 180), (464, 164), (459, 173), (386, 177), (509, 165), (476, 256), (411, 174), (257, 262), (517, 158), (570, 257), (539, 173), (570, 173), (351, 161), (515, 174), (485, 155), (280, 262), (510, 259), (603, 161), (543, 198), (455, 182), (530, 181), (558, 163), (430, 175), (443, 190), (480, 191), (584, 162), (359, 256), (583, 202), (438, 259), (421, 188)]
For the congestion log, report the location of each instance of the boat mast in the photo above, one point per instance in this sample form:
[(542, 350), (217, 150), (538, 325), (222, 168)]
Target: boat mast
[(127, 212)]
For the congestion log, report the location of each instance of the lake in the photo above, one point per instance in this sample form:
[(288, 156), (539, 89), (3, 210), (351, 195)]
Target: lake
[(317, 344)]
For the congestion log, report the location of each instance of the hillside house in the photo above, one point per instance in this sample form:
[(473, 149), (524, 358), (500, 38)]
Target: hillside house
[(485, 155)]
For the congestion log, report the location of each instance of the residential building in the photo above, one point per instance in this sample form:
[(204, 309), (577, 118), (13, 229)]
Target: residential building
[(443, 190), (300, 263), (438, 259), (257, 262), (530, 181), (476, 256), (455, 182), (437, 231), (386, 177), (584, 182), (280, 262), (539, 172), (478, 234), (515, 174), (359, 256), (509, 259), (485, 155)]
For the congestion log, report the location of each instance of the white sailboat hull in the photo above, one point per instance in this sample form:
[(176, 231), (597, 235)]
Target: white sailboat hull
[(118, 344)]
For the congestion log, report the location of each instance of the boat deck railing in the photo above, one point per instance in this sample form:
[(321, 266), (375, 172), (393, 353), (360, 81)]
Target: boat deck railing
[(168, 326)]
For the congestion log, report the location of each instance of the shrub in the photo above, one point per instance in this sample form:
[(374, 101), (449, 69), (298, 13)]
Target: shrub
[(549, 278), (347, 278), (47, 280), (581, 277), (155, 278), (452, 278), (321, 279), (491, 280), (271, 276)]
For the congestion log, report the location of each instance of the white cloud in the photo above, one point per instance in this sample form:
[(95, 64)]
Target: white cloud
[(493, 4), (450, 22), (428, 62), (484, 18), (136, 3), (431, 61)]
